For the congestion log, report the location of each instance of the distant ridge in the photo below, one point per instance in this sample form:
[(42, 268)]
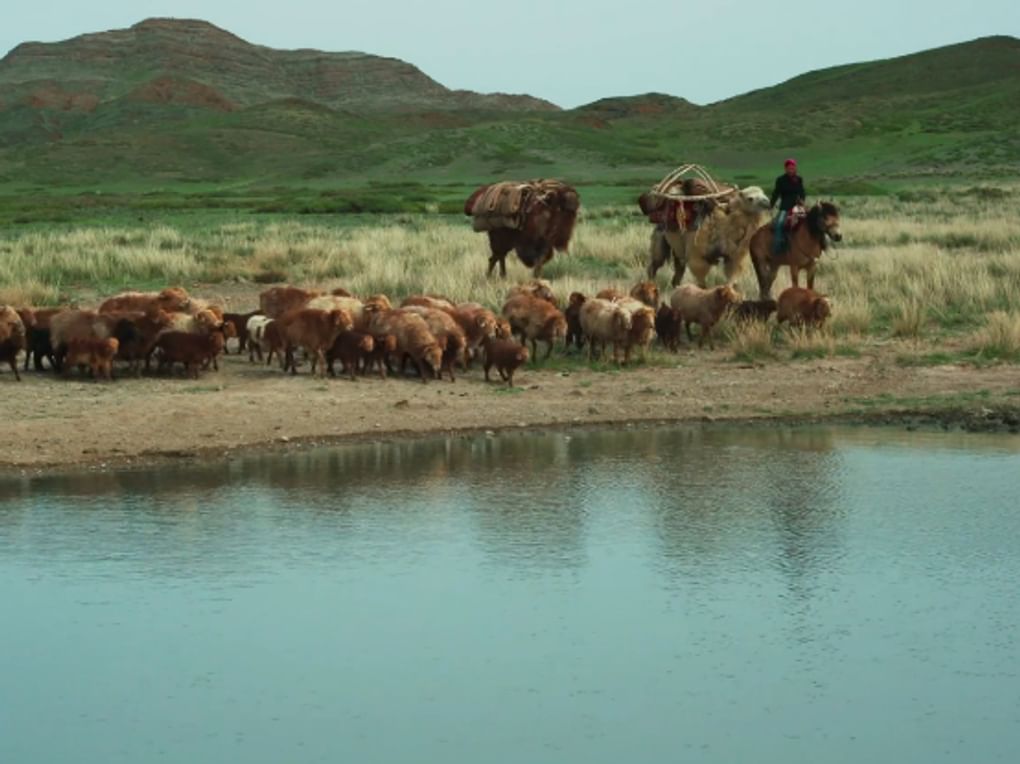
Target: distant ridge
[(173, 102)]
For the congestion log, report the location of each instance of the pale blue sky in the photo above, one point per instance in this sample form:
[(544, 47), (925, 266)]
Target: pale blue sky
[(568, 51)]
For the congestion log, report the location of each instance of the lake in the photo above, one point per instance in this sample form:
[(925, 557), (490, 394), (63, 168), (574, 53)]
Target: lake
[(639, 595)]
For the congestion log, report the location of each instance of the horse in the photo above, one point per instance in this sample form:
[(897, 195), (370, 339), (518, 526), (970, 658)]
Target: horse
[(805, 245)]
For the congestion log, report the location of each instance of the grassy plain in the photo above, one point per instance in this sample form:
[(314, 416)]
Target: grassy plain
[(936, 270)]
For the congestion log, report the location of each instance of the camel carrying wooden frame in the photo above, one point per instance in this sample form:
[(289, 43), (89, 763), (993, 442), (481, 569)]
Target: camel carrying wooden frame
[(665, 187)]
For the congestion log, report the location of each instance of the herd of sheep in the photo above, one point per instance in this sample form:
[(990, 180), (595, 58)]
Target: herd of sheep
[(170, 328)]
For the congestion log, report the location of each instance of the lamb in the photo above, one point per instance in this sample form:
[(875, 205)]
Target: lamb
[(37, 338), (646, 292), (384, 346), (240, 323), (668, 326), (704, 307), (604, 321), (349, 347), (535, 319), (506, 355), (12, 338), (575, 334), (802, 307), (94, 354), (754, 310)]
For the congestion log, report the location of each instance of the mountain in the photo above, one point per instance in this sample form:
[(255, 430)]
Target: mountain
[(196, 63), (182, 104)]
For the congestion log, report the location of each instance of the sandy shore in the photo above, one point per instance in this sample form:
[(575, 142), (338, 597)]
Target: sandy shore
[(54, 423)]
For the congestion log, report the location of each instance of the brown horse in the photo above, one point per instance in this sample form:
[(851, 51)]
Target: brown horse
[(806, 244)]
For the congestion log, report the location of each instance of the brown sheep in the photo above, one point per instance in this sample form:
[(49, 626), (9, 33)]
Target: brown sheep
[(172, 299), (802, 307), (533, 318), (539, 288), (604, 321), (575, 334), (506, 355), (96, 355), (276, 301), (349, 348), (12, 338), (338, 302), (668, 327), (642, 327), (428, 301), (412, 334), (69, 325), (477, 322), (754, 310), (314, 331), (646, 292), (444, 327), (341, 292), (703, 307), (193, 351), (503, 329), (610, 293)]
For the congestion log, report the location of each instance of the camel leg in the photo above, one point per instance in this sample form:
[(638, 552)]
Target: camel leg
[(733, 268), (679, 267), (700, 269)]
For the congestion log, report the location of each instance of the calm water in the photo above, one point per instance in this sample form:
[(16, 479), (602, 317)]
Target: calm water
[(640, 596)]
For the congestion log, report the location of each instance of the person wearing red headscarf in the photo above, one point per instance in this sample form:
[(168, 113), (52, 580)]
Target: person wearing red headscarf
[(789, 192)]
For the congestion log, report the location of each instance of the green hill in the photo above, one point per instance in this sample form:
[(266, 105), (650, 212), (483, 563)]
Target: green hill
[(183, 105)]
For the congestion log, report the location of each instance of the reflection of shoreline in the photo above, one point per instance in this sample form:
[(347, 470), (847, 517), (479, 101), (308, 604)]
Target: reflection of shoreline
[(930, 430)]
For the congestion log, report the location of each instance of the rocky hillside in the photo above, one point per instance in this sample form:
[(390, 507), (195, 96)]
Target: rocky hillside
[(195, 63)]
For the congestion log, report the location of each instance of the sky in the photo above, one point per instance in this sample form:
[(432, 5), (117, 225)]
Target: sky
[(567, 51)]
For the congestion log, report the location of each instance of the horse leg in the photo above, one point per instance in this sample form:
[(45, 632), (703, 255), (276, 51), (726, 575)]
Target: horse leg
[(795, 274), (811, 276)]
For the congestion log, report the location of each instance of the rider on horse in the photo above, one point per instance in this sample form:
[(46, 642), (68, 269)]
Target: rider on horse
[(789, 191)]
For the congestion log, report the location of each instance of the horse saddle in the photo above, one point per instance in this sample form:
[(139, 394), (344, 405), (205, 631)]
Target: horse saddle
[(795, 217)]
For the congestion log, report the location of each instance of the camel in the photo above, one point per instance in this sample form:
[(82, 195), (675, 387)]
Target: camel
[(723, 237), (805, 245), (534, 219)]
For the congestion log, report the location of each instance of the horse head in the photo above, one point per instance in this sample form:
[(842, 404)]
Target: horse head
[(823, 222)]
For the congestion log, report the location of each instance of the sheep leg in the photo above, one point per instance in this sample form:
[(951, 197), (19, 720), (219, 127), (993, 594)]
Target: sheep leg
[(421, 370), (510, 378), (28, 355), (14, 367), (534, 350), (487, 367), (687, 330), (319, 362)]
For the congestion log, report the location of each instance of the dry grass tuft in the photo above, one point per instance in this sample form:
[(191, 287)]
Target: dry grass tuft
[(999, 339)]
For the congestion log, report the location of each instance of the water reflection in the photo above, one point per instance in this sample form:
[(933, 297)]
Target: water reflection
[(595, 596)]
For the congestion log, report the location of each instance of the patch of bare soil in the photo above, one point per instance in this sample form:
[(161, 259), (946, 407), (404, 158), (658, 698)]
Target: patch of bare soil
[(53, 422)]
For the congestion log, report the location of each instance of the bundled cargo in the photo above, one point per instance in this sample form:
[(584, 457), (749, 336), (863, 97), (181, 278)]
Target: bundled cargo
[(534, 218), (684, 198)]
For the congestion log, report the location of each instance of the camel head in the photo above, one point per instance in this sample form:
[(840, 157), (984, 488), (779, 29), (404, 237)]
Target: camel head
[(753, 199)]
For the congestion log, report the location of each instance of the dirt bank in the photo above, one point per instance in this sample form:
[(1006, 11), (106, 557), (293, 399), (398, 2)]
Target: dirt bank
[(53, 422)]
